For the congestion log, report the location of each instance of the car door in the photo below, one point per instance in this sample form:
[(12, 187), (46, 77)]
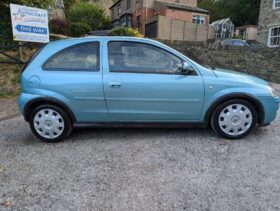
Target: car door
[(143, 82), (74, 76)]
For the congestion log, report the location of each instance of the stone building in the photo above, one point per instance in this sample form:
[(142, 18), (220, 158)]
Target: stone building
[(248, 32), (269, 23), (163, 19)]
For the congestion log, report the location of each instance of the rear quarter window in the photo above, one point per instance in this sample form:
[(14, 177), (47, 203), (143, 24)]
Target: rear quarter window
[(79, 57)]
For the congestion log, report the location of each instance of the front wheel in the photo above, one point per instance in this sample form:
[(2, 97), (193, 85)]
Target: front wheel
[(50, 123), (234, 119)]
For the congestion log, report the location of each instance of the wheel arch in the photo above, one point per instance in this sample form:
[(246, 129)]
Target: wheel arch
[(255, 102), (46, 100)]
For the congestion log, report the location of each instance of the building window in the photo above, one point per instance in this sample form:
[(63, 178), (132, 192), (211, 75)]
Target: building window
[(126, 21), (128, 4), (243, 33), (274, 37), (119, 9), (276, 4), (198, 19)]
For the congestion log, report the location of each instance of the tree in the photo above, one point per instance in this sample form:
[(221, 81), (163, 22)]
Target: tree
[(89, 13), (241, 12), (32, 3), (68, 4)]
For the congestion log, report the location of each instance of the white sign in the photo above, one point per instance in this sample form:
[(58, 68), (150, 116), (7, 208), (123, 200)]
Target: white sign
[(29, 24)]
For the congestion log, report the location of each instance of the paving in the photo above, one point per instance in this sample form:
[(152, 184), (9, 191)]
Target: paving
[(139, 169)]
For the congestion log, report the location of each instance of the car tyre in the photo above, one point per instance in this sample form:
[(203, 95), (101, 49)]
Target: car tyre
[(50, 123), (234, 119)]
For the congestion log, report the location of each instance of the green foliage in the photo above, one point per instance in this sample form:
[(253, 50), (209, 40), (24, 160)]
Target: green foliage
[(59, 26), (79, 29), (124, 31), (241, 12), (238, 37), (68, 4), (31, 3), (89, 13)]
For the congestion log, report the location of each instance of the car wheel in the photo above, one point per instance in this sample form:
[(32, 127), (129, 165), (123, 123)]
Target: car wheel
[(50, 123), (234, 119)]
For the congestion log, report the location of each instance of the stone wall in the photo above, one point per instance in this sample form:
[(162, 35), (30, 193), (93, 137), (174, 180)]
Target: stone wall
[(264, 63)]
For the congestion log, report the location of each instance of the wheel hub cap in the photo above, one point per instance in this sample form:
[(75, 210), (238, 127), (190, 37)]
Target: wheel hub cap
[(235, 119), (48, 123)]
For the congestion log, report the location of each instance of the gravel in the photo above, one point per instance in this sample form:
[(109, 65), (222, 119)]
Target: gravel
[(8, 108), (139, 169)]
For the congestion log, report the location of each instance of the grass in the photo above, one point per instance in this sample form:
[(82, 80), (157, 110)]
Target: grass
[(9, 80), (10, 73)]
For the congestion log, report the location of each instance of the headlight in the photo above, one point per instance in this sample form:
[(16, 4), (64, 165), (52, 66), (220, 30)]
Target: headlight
[(272, 91)]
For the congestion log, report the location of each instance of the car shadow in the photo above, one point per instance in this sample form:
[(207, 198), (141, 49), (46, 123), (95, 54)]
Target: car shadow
[(138, 133)]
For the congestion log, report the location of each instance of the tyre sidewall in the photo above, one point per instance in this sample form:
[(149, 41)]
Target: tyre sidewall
[(215, 118), (67, 123)]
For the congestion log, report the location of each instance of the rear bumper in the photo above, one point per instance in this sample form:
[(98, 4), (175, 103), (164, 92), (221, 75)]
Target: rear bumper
[(23, 99)]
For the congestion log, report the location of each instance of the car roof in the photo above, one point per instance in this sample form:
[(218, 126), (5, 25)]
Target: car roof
[(102, 38)]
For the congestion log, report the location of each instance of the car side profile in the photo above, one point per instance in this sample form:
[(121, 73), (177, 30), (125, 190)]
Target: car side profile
[(101, 81)]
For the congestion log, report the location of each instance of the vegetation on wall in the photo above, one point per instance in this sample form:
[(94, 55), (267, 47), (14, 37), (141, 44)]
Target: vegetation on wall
[(124, 31), (59, 26), (241, 12), (79, 29)]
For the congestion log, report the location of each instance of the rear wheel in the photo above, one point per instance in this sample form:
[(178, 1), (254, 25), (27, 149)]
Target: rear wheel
[(234, 119), (50, 123)]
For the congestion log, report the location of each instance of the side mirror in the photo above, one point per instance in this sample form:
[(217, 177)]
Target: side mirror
[(186, 67)]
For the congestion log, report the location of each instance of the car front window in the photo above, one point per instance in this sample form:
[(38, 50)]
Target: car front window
[(142, 58)]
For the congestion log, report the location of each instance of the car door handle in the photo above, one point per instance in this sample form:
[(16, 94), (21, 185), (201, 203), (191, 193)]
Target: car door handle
[(115, 85)]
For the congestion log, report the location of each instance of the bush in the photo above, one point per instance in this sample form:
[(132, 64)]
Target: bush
[(79, 29), (59, 26), (124, 31), (89, 13), (238, 37)]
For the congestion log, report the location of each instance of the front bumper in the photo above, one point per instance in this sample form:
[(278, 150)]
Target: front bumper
[(270, 106)]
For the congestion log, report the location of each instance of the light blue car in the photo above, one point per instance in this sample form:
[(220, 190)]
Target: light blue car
[(101, 81)]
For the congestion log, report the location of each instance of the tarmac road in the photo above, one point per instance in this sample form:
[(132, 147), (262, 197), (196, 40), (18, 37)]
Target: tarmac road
[(139, 169)]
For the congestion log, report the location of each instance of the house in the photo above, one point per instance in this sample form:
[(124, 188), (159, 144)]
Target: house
[(248, 32), (57, 10), (269, 23), (163, 19), (222, 29)]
